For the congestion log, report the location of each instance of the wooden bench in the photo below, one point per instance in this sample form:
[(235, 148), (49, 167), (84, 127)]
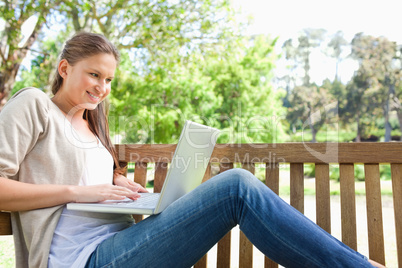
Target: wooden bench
[(272, 156)]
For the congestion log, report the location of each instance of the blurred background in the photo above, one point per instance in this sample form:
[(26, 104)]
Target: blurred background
[(262, 71)]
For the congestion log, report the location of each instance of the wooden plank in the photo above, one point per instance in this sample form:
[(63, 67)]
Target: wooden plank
[(374, 213), (245, 252), (272, 181), (140, 173), (396, 173), (272, 177), (268, 263), (202, 263), (5, 223), (348, 205), (160, 175), (391, 152), (297, 186), (323, 201), (140, 177), (223, 255), (245, 246)]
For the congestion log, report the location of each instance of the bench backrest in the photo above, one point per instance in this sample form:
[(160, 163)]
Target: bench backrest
[(272, 156)]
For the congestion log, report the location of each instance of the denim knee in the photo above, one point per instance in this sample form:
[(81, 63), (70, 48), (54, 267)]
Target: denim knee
[(240, 177), (238, 173)]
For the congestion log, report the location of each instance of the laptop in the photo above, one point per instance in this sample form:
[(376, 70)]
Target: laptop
[(186, 171)]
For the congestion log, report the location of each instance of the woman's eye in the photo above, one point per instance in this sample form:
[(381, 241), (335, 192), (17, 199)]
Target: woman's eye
[(108, 80), (95, 75)]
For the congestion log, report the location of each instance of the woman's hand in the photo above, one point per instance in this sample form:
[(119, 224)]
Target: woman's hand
[(121, 189), (122, 181), (102, 192)]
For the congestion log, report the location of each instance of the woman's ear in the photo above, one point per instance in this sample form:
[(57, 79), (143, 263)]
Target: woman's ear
[(62, 68)]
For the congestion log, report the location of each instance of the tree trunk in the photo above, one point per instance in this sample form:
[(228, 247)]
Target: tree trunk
[(358, 132), (313, 131), (399, 113), (387, 136), (7, 82), (13, 62), (388, 127)]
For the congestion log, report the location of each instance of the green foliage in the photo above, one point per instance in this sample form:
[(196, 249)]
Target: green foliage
[(309, 170), (42, 66), (228, 89), (15, 43)]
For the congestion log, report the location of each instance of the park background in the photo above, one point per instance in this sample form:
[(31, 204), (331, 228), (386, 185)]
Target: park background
[(261, 71)]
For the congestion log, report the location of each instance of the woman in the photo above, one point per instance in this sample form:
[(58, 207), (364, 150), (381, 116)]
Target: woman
[(56, 151)]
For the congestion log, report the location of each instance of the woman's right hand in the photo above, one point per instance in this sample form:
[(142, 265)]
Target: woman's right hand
[(101, 192)]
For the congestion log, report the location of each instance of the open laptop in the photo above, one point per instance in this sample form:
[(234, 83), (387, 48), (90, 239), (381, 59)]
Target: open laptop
[(186, 171)]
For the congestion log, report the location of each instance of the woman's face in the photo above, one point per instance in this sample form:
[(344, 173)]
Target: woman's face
[(87, 82)]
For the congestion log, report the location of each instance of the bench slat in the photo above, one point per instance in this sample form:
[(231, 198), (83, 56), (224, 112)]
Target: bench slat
[(161, 169), (374, 213), (140, 176), (202, 263), (223, 255), (323, 204), (5, 223), (272, 181), (396, 174), (140, 173), (272, 177), (245, 246), (297, 186), (298, 152), (348, 205)]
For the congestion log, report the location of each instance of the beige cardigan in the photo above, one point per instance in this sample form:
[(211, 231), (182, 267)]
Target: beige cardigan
[(37, 146)]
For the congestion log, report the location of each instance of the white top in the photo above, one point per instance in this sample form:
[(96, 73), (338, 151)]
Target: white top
[(79, 233)]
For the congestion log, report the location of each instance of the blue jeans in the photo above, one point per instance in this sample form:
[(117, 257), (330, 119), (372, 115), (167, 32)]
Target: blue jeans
[(188, 228)]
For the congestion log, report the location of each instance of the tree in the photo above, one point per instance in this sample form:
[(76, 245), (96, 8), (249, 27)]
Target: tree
[(228, 88), (14, 44), (335, 47), (310, 39), (155, 27), (308, 105), (357, 106), (42, 67), (396, 98), (376, 57), (152, 30)]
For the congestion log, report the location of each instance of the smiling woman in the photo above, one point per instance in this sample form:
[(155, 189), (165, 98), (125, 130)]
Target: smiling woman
[(80, 84), (43, 167)]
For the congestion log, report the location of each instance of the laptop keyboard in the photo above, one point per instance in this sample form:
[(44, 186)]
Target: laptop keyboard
[(147, 200)]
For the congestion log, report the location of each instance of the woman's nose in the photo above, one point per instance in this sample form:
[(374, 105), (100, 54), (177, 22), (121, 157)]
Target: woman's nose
[(102, 87)]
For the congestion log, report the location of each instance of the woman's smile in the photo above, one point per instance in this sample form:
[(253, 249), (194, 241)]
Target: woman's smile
[(93, 97)]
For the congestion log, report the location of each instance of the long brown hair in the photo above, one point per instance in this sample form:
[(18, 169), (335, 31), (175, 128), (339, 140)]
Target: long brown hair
[(84, 45)]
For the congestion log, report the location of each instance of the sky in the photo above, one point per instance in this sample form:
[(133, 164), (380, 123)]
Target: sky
[(286, 18)]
